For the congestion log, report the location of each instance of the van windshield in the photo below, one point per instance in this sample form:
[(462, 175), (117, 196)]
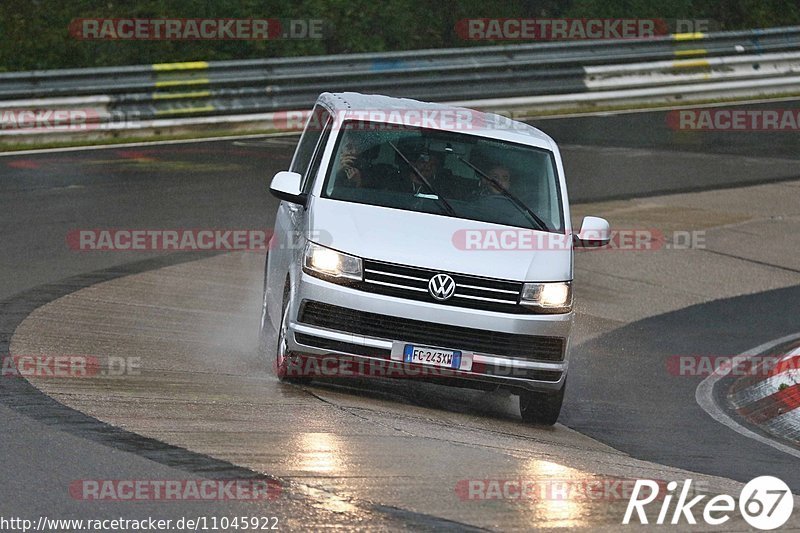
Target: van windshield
[(447, 173)]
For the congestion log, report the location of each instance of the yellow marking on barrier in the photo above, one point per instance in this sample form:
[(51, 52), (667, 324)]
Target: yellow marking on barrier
[(691, 63), (689, 36), (176, 96), (198, 109), (187, 65), (178, 83), (692, 52)]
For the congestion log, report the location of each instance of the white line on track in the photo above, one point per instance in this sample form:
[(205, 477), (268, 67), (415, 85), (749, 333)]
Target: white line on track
[(147, 143), (705, 398)]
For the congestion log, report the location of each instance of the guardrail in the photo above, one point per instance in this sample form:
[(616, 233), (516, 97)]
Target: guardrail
[(542, 74)]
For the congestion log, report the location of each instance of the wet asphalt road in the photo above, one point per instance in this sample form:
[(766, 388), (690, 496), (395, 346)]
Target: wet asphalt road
[(222, 184), (653, 416)]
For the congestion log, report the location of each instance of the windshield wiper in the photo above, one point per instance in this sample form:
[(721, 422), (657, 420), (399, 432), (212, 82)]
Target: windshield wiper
[(444, 203), (519, 204)]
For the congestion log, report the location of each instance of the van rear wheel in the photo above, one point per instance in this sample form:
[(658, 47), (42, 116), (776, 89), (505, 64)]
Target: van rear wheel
[(541, 408)]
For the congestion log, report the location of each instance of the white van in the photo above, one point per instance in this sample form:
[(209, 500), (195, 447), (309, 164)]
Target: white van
[(418, 240)]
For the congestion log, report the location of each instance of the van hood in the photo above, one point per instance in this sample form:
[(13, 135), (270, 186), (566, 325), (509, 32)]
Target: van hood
[(441, 243)]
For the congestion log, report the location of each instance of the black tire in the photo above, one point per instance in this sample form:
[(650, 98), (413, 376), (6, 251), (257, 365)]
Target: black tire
[(268, 346), (541, 408)]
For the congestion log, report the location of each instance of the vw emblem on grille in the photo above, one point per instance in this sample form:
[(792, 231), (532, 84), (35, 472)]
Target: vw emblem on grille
[(441, 286)]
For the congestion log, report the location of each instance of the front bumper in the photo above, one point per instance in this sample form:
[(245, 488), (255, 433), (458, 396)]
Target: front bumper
[(488, 368)]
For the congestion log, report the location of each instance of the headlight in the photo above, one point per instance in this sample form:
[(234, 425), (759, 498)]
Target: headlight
[(331, 265), (548, 297)]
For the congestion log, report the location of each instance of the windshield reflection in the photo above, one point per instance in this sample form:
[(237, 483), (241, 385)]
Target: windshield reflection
[(446, 173)]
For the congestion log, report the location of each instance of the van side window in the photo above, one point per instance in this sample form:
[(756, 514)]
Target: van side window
[(308, 142), (308, 178)]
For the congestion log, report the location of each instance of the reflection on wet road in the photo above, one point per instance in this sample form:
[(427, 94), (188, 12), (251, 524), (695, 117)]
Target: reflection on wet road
[(202, 388)]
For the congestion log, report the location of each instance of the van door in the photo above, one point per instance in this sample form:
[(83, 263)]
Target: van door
[(290, 220)]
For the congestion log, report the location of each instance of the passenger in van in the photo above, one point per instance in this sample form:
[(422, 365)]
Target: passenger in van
[(500, 174), (358, 169), (352, 166), (430, 166)]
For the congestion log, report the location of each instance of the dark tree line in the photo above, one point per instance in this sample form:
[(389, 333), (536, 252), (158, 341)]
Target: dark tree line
[(35, 32)]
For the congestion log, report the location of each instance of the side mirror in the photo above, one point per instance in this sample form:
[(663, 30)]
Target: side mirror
[(286, 186), (595, 232)]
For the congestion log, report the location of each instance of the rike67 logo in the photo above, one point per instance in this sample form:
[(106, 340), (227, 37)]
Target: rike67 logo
[(765, 503)]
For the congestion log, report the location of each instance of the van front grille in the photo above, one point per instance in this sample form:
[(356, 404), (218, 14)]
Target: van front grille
[(471, 291)]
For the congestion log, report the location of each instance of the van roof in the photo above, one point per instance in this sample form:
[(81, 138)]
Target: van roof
[(408, 112)]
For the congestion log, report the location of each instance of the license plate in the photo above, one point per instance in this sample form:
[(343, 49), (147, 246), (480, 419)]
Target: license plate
[(431, 356)]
